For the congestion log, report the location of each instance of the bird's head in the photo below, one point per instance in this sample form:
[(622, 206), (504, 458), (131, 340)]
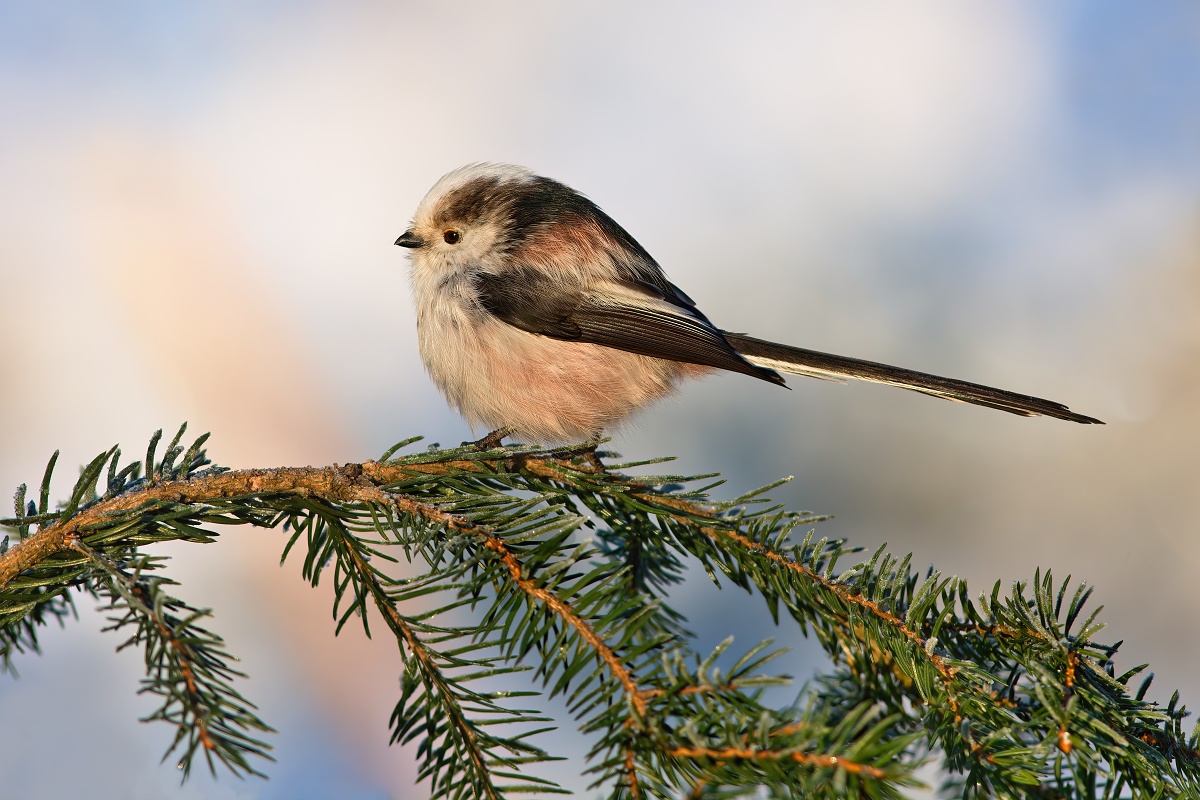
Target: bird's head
[(486, 217)]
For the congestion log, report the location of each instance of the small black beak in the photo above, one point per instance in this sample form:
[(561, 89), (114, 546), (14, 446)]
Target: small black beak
[(410, 239)]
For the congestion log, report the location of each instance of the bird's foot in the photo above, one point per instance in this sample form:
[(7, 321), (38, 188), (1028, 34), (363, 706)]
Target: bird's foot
[(585, 451), (492, 440)]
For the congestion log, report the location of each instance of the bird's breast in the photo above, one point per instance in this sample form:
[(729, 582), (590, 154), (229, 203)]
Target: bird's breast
[(547, 389)]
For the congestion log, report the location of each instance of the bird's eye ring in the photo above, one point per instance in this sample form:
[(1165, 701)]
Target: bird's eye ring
[(451, 236)]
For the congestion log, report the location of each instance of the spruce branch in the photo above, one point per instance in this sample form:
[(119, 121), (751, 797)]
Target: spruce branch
[(560, 566), (186, 665)]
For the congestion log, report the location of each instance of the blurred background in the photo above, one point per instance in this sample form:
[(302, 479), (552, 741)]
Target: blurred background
[(197, 208)]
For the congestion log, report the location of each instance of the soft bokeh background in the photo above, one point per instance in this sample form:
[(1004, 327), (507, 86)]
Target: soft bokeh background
[(197, 209)]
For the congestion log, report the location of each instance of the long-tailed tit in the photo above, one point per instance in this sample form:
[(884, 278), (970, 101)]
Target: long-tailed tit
[(537, 314)]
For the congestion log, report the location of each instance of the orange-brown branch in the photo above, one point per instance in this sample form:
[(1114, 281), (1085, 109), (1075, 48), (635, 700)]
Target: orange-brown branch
[(650, 694), (549, 468), (183, 653), (551, 601), (415, 646), (635, 789), (748, 754), (843, 592), (527, 585), (343, 483)]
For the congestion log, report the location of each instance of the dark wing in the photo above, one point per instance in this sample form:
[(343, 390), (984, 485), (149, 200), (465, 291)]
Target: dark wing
[(623, 315)]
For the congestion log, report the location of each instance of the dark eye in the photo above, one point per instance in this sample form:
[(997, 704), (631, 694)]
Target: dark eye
[(452, 237)]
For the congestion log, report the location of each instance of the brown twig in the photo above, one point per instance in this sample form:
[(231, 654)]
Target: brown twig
[(788, 730), (675, 505), (415, 646), (527, 585), (635, 789), (841, 590), (551, 600), (1064, 735), (748, 754), (183, 653), (650, 694), (342, 483)]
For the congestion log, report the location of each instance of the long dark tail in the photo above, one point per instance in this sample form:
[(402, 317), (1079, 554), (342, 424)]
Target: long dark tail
[(797, 361)]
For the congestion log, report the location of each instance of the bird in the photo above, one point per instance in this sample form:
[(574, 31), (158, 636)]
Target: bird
[(539, 316)]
